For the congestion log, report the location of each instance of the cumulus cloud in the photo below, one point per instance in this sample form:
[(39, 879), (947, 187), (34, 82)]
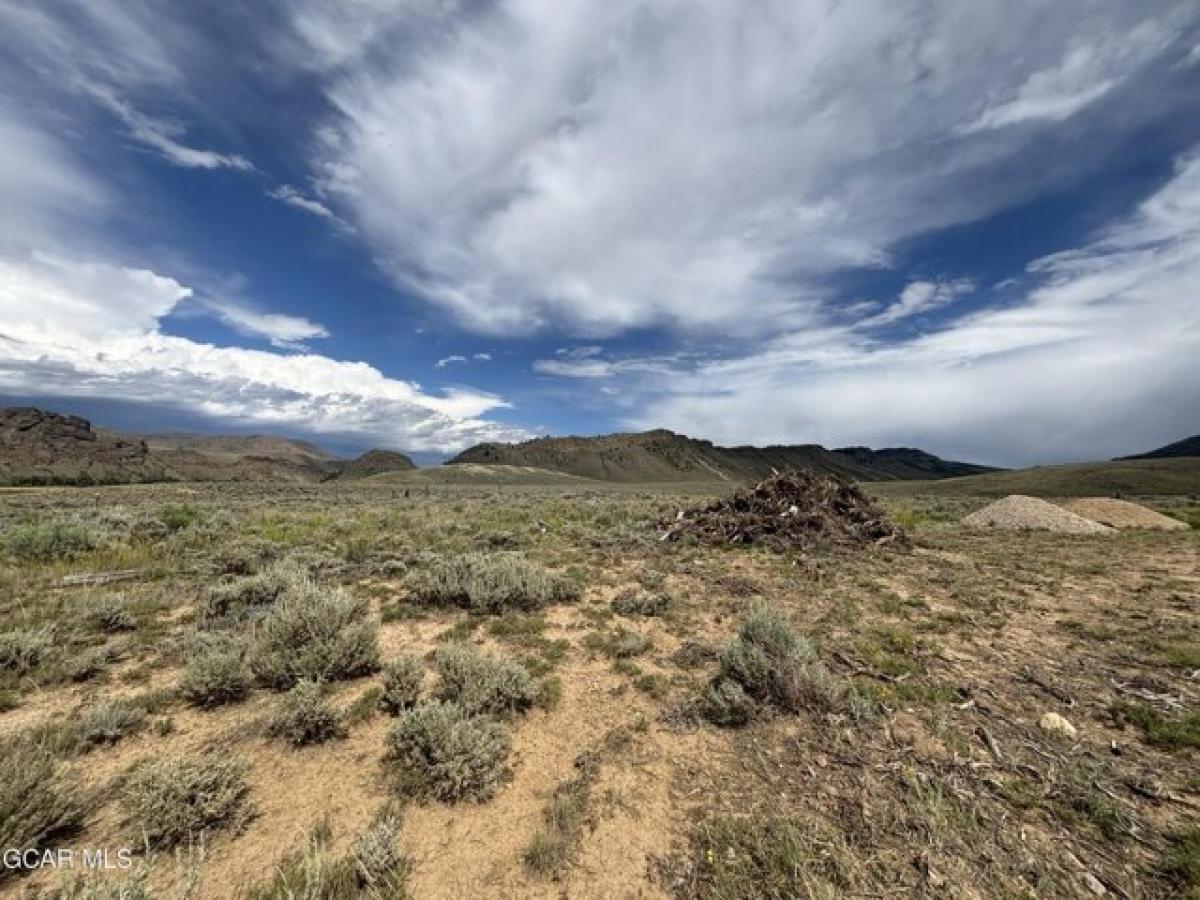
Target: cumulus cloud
[(1103, 347), (77, 328), (698, 165)]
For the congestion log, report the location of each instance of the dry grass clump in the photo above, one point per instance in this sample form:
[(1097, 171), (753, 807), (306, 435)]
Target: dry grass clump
[(111, 615), (402, 679), (105, 722), (483, 684), (637, 604), (491, 583), (748, 859), (374, 868), (24, 649), (555, 844), (39, 801), (169, 802), (768, 663), (217, 671), (440, 750), (315, 633), (305, 717)]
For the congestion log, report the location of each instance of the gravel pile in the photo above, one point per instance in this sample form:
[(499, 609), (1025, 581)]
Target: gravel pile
[(1020, 513), (1122, 514)]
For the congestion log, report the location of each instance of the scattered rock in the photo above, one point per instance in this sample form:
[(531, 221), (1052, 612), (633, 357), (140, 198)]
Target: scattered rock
[(789, 511), (1020, 513), (1056, 724)]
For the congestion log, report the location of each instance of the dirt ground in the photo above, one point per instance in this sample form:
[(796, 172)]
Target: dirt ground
[(942, 782)]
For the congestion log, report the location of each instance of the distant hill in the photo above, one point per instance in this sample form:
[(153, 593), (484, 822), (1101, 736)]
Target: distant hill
[(482, 475), (375, 462), (42, 447), (1187, 447), (663, 456), (36, 445), (1128, 477)]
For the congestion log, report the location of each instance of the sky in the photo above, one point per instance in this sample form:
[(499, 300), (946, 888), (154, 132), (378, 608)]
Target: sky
[(421, 224)]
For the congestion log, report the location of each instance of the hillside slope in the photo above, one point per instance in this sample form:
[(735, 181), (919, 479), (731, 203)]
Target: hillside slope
[(42, 447), (1186, 447), (1134, 477), (663, 456), (39, 446), (375, 462)]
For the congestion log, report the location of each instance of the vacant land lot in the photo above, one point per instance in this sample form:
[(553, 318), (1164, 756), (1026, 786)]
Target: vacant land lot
[(385, 690)]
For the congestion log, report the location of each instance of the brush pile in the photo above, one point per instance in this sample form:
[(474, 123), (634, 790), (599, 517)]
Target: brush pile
[(795, 510)]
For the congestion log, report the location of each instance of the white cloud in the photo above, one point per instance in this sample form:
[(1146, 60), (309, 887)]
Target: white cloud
[(292, 197), (447, 360), (163, 135), (1088, 71), (591, 362), (920, 297), (72, 328), (283, 331), (701, 165), (41, 185), (483, 357), (1100, 357)]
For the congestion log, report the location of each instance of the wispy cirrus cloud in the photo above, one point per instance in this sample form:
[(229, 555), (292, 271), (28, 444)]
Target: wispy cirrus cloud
[(705, 167)]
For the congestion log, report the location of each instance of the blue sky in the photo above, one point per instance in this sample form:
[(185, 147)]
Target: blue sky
[(429, 223)]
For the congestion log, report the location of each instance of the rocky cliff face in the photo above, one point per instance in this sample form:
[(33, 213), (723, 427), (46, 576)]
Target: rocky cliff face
[(37, 445)]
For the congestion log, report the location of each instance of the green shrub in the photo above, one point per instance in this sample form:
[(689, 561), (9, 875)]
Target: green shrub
[(231, 602), (621, 643), (772, 665), (24, 649), (179, 516), (217, 671), (111, 615), (1181, 863), (305, 717), (635, 604), (727, 704), (440, 750), (482, 684), (322, 634), (490, 583), (1174, 732), (402, 680), (44, 541), (382, 870), (168, 802), (105, 722), (39, 801)]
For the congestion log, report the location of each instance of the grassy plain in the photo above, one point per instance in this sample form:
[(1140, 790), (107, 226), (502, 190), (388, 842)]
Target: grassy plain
[(522, 691)]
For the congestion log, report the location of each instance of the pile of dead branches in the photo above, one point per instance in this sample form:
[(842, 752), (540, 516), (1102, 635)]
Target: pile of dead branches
[(795, 510)]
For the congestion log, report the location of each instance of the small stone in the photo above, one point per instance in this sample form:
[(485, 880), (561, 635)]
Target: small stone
[(1055, 723), (1094, 884)]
